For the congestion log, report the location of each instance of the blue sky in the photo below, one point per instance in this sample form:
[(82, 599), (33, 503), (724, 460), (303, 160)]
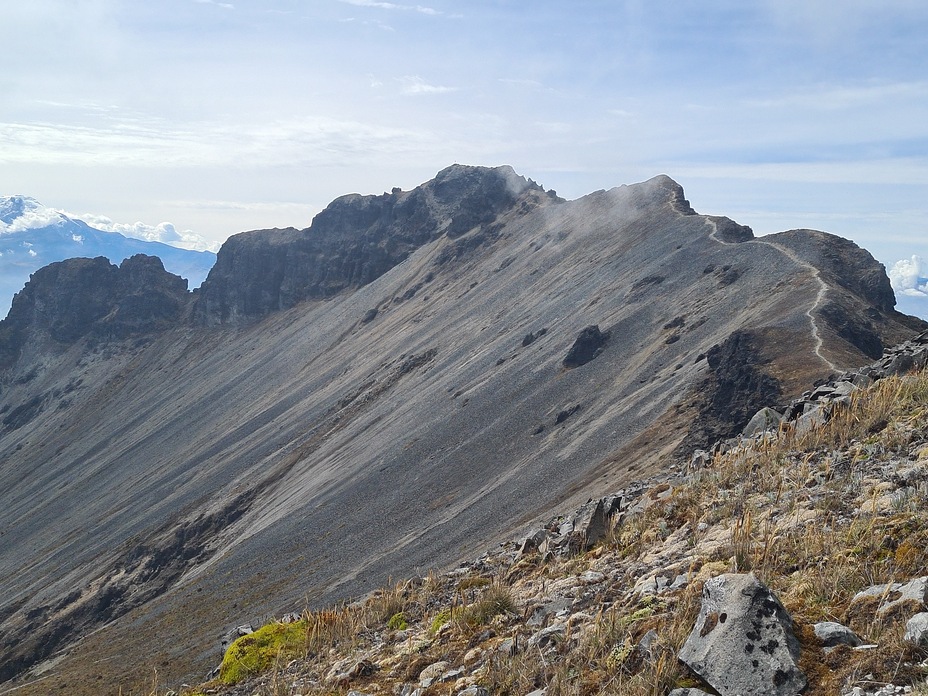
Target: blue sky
[(225, 116)]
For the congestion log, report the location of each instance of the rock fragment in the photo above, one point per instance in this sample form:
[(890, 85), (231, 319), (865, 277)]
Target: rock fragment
[(743, 642), (588, 345), (833, 634)]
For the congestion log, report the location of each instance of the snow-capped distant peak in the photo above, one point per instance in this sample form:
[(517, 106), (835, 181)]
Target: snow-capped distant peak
[(19, 213)]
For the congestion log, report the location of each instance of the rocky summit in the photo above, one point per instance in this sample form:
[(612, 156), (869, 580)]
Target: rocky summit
[(414, 377)]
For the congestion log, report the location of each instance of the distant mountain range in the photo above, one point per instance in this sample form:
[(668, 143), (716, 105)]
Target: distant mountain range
[(33, 236)]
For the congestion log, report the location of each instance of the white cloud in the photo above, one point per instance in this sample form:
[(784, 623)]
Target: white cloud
[(910, 277), (34, 216), (223, 5), (311, 140), (392, 6), (414, 85), (163, 232)]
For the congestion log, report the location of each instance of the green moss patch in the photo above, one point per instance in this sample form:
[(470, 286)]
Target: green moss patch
[(258, 651)]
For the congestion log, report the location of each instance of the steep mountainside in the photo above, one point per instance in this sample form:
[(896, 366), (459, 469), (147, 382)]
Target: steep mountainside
[(383, 392)]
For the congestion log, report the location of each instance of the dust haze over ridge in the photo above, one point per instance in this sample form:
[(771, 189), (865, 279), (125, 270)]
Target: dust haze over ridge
[(402, 359)]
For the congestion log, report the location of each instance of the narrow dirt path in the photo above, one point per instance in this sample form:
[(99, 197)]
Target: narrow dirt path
[(791, 255)]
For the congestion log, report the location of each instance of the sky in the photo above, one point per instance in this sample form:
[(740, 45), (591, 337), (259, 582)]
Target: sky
[(216, 117)]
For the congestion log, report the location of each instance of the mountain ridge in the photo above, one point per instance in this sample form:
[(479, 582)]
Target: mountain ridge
[(231, 438)]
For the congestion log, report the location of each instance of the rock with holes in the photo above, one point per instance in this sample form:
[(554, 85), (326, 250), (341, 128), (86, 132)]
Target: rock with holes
[(743, 642)]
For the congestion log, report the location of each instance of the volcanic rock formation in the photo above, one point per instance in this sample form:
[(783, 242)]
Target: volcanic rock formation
[(359, 399)]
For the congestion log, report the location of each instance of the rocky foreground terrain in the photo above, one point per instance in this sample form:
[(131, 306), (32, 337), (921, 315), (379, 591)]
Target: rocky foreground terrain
[(411, 379), (788, 561)]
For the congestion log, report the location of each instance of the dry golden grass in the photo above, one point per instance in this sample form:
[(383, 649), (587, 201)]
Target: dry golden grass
[(792, 508)]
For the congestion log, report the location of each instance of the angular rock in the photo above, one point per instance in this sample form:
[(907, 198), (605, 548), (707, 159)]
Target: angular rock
[(763, 420), (474, 691), (432, 674), (591, 524), (588, 345), (916, 629), (890, 599), (813, 418), (832, 634), (546, 636), (743, 641), (533, 541), (689, 692)]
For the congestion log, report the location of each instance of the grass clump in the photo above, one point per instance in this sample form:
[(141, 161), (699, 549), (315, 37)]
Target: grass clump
[(495, 601)]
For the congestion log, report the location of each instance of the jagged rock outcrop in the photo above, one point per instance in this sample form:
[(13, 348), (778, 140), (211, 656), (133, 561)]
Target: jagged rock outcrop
[(357, 239), (68, 300), (842, 262), (735, 387)]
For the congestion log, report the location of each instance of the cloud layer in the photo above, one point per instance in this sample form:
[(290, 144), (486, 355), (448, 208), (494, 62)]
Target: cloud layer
[(164, 232)]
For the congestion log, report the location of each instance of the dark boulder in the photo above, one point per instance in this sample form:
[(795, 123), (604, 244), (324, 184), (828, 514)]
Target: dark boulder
[(587, 346)]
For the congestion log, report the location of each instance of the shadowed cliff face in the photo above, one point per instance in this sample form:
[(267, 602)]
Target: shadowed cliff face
[(354, 241), (361, 400), (67, 300)]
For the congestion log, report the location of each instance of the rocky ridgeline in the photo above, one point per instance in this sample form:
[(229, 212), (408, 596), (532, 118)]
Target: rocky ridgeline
[(815, 407), (792, 563)]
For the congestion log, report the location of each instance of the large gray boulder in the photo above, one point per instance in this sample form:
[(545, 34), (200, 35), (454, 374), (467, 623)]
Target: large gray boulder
[(764, 420), (743, 642)]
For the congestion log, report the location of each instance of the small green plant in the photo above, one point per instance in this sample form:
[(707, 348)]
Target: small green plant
[(441, 618), (398, 622)]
